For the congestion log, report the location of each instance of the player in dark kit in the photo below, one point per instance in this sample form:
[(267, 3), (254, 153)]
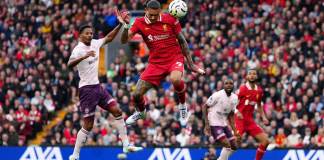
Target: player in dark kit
[(219, 115), (249, 95), (168, 48), (85, 56)]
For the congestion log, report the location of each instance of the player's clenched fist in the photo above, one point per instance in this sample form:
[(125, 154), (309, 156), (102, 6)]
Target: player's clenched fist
[(125, 16), (196, 69)]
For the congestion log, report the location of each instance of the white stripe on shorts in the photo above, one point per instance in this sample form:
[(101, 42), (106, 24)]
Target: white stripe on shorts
[(111, 100), (220, 136)]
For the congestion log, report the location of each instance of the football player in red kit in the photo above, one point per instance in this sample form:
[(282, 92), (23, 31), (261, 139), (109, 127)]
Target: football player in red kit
[(250, 95), (168, 49)]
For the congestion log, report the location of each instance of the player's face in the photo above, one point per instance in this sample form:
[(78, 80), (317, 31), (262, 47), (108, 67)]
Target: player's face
[(86, 35), (252, 76), (228, 86), (152, 14)]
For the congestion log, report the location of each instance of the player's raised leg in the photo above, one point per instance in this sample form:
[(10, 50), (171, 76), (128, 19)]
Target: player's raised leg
[(141, 88), (179, 86), (88, 101), (109, 104), (82, 137), (263, 144), (122, 130)]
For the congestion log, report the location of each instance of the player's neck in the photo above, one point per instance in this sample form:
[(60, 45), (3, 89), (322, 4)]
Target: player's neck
[(252, 85), (85, 43)]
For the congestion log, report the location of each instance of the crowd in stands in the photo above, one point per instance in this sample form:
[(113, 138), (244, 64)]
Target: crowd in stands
[(284, 39)]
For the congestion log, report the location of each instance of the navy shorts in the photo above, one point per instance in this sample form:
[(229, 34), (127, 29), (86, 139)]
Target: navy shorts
[(220, 132), (93, 95)]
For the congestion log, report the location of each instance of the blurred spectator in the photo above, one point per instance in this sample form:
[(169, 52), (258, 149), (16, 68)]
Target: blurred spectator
[(284, 40), (183, 138), (281, 138), (294, 138)]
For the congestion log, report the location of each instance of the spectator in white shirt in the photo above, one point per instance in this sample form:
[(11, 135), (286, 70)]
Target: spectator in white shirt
[(292, 139)]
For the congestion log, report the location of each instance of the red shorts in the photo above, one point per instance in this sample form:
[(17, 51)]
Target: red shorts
[(247, 125), (155, 73)]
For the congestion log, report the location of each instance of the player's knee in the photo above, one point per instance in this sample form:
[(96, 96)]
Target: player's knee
[(88, 126), (265, 142), (175, 80), (226, 144), (234, 147), (117, 113)]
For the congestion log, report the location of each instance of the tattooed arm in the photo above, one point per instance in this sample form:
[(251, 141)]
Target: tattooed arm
[(186, 52), (111, 35)]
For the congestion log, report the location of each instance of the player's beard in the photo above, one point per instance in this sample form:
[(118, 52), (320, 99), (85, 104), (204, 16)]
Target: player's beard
[(228, 91), (252, 81)]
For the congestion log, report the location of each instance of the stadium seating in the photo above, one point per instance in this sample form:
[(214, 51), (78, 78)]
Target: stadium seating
[(284, 39)]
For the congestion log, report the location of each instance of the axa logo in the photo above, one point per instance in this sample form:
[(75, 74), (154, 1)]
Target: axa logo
[(37, 153), (302, 155), (166, 154)]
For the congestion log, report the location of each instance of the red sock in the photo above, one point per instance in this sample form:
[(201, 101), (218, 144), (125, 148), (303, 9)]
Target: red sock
[(260, 152), (181, 91), (140, 104)]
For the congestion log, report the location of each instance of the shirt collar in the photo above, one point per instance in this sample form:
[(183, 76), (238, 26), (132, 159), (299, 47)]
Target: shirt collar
[(249, 87), (224, 92), (82, 44), (149, 22)]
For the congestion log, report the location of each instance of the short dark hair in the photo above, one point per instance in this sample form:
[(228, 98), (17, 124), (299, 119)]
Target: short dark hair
[(228, 79), (153, 4), (252, 69), (83, 27)]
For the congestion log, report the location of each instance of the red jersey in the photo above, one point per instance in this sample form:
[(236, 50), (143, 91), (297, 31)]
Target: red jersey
[(248, 99), (160, 37)]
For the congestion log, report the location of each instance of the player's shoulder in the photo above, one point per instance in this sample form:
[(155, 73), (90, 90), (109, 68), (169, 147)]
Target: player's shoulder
[(260, 89), (139, 20), (95, 41), (218, 93), (77, 48), (234, 96), (168, 18), (243, 87)]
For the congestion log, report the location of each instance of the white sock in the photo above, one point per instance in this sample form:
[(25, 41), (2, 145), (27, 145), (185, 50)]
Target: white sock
[(80, 141), (121, 127), (225, 154), (182, 106)]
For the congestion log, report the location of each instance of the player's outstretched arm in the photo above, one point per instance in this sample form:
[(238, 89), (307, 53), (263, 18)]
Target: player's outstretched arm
[(111, 35), (126, 35), (186, 52), (75, 61)]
